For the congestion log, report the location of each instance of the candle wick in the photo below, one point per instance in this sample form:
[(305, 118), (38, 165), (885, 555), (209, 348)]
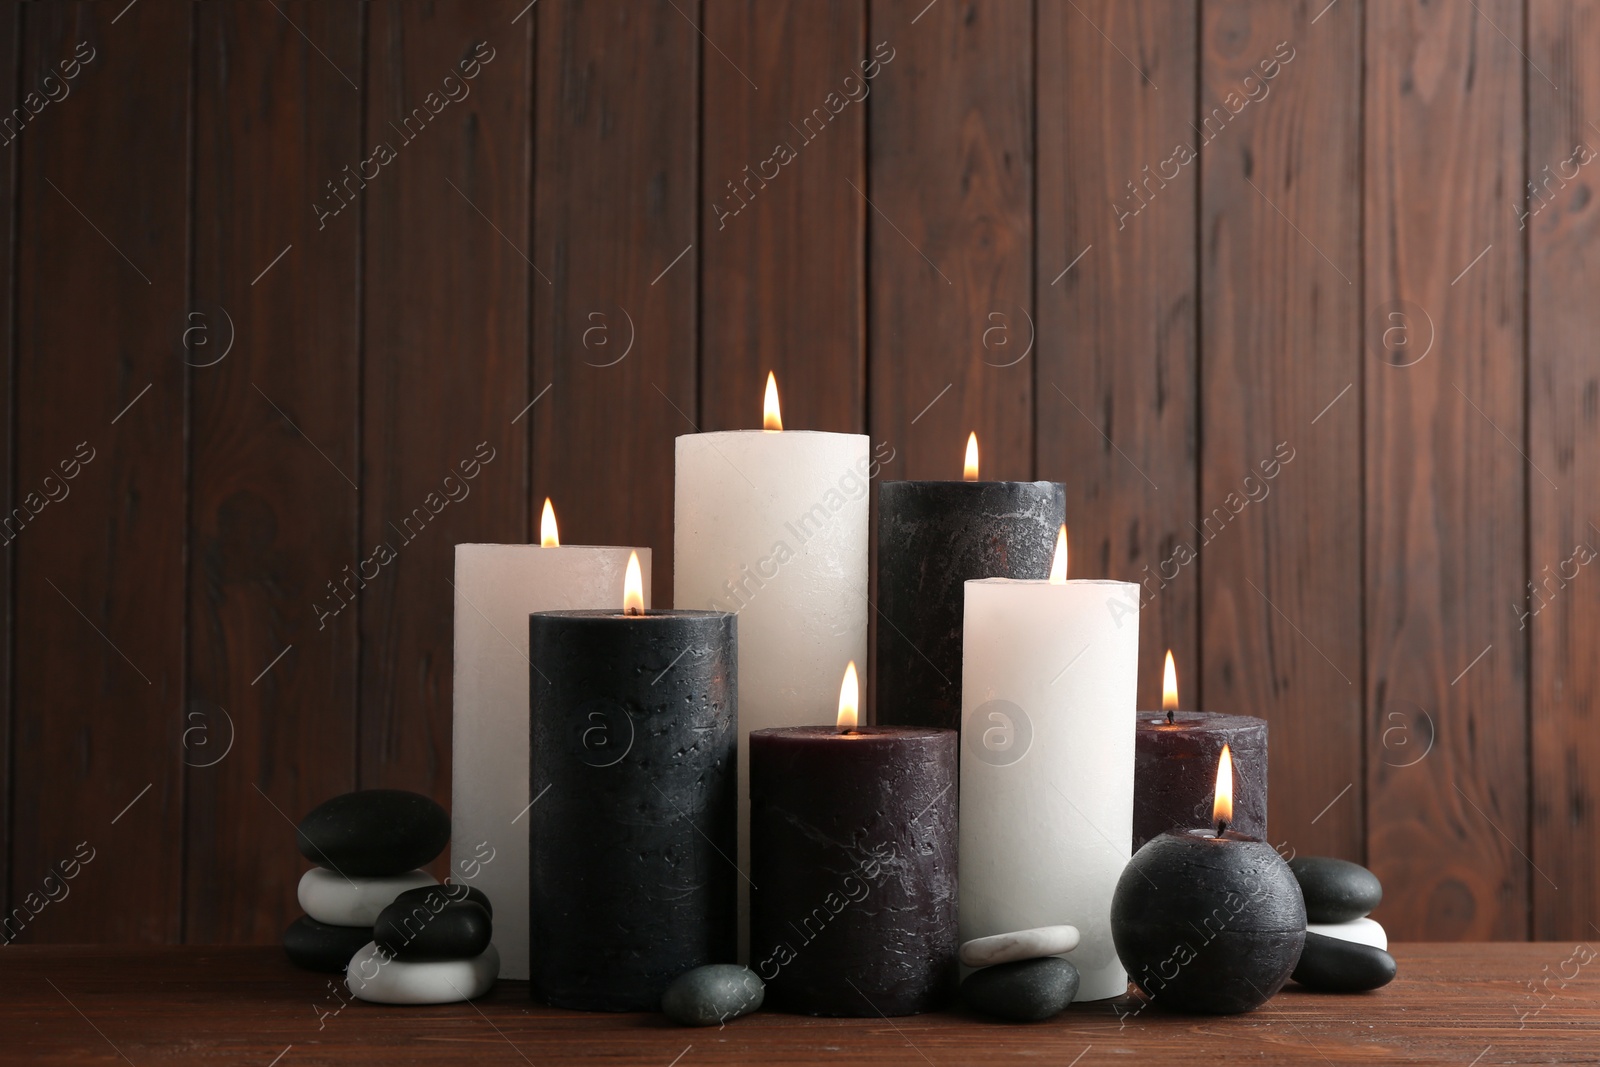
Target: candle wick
[(633, 611), (1169, 716), (1222, 827)]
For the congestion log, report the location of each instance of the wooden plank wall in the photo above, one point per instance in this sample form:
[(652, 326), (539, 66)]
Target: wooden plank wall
[(1294, 296)]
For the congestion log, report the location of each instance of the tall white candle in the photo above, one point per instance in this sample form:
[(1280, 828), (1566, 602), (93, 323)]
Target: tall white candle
[(496, 587), (772, 524), (1048, 691)]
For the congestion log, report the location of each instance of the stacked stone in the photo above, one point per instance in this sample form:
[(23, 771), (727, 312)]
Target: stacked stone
[(372, 912), (1020, 975), (1345, 952)]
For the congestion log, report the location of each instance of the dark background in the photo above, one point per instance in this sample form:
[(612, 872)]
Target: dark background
[(957, 250)]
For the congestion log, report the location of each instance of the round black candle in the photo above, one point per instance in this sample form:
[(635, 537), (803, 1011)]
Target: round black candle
[(1175, 768), (1208, 923), (932, 537), (853, 860), (634, 794)]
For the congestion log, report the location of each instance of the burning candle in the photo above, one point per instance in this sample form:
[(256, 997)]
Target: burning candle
[(496, 586), (1047, 760), (853, 832), (1209, 920), (631, 814), (1174, 757), (772, 524), (932, 537)]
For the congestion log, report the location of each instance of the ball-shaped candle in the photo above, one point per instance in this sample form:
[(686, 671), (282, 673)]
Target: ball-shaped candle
[(1209, 920)]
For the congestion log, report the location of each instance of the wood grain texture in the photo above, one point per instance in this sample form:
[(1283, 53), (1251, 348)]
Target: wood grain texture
[(275, 409), (1457, 1004), (10, 23), (445, 354), (1116, 308), (950, 236), (1562, 610), (101, 279), (101, 274), (1280, 486), (616, 188), (782, 232), (1445, 475)]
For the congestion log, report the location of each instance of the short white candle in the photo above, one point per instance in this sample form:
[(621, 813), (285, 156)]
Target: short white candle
[(1048, 691), (496, 587), (772, 524)]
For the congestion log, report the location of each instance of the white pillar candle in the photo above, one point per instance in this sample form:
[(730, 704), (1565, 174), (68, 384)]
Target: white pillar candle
[(772, 524), (1048, 691), (496, 587)]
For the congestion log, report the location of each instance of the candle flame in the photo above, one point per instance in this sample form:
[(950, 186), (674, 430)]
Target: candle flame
[(1222, 807), (970, 473), (1058, 562), (1169, 685), (633, 588), (849, 697), (549, 536), (771, 417)]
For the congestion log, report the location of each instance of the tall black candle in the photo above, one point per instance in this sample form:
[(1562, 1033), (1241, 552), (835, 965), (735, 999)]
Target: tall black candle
[(932, 537), (634, 797)]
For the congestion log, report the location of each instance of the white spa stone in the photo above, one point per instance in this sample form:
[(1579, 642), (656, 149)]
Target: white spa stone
[(1361, 931), (374, 976), (329, 897), (1020, 945)]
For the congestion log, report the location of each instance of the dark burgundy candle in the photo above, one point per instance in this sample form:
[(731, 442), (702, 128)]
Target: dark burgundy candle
[(853, 860), (932, 537), (1175, 766), (634, 803)]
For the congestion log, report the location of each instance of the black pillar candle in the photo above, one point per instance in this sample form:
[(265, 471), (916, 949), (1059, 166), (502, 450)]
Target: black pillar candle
[(634, 797), (853, 860), (1175, 770), (1208, 923), (932, 537)]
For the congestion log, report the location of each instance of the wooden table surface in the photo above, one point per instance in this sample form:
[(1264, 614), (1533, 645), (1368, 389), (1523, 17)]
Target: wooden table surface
[(1466, 1004)]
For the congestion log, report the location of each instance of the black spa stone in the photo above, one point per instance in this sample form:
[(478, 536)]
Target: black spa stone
[(1026, 991), (319, 947), (436, 896), (374, 832), (1336, 891), (1330, 965), (416, 931), (713, 994)]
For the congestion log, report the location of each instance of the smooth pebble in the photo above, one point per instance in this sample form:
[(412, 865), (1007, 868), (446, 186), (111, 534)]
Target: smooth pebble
[(1335, 891), (713, 994), (320, 947), (1361, 931), (1019, 945), (329, 897), (1024, 991), (374, 976), (374, 832), (414, 931), (1329, 965), (452, 892)]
